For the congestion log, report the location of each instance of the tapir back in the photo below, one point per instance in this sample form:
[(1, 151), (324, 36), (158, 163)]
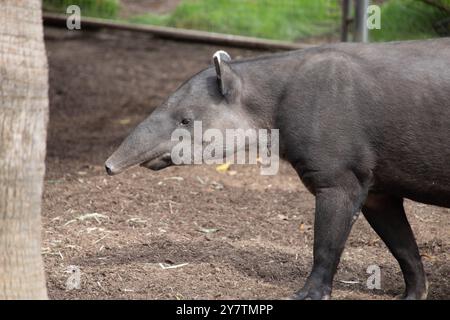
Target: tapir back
[(400, 95)]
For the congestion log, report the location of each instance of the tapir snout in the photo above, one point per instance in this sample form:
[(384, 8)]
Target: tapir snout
[(142, 147)]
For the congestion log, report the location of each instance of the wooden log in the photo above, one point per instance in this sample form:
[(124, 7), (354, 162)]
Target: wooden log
[(178, 34)]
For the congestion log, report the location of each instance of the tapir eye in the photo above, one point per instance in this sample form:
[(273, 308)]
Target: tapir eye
[(185, 121)]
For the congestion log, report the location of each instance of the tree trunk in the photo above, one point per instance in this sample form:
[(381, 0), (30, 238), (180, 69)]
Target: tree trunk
[(23, 126)]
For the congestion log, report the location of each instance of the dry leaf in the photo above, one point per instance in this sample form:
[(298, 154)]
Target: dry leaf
[(223, 167)]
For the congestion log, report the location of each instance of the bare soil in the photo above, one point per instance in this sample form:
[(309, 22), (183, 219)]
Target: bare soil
[(225, 236)]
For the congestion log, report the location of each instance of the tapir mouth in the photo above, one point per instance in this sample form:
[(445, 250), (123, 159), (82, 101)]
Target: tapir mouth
[(151, 160), (158, 163)]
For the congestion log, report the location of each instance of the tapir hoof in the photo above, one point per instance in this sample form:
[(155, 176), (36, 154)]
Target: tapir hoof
[(311, 294)]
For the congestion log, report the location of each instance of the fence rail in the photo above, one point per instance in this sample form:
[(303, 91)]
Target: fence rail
[(178, 34)]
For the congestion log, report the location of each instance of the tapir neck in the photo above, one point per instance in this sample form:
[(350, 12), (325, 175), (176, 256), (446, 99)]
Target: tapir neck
[(264, 83)]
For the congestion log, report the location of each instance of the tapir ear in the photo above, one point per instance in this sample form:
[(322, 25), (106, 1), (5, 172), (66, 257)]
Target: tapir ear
[(227, 79)]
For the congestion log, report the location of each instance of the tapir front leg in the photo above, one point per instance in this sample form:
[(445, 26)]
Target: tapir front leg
[(339, 198)]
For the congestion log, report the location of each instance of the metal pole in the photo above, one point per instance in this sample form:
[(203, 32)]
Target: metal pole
[(361, 31), (346, 13)]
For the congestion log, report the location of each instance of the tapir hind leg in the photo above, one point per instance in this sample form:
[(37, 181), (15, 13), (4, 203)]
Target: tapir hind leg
[(387, 217)]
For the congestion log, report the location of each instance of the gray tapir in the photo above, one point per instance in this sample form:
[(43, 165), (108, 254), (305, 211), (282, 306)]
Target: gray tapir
[(364, 126)]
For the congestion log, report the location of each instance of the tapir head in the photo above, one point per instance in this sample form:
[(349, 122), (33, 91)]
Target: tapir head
[(213, 97)]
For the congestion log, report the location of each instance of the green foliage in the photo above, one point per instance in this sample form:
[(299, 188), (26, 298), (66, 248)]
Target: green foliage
[(92, 8), (275, 19), (407, 20)]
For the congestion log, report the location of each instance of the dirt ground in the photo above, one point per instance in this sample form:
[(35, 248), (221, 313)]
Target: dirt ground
[(225, 236)]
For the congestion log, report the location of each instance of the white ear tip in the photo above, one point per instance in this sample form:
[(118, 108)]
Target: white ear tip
[(221, 55)]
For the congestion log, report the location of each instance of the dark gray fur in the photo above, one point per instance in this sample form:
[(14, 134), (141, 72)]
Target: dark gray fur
[(364, 125)]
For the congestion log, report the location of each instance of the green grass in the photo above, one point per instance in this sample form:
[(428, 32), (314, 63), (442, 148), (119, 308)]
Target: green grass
[(92, 8), (273, 19), (290, 20), (406, 20)]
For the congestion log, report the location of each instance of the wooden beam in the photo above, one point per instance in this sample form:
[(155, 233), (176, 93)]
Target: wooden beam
[(178, 34)]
